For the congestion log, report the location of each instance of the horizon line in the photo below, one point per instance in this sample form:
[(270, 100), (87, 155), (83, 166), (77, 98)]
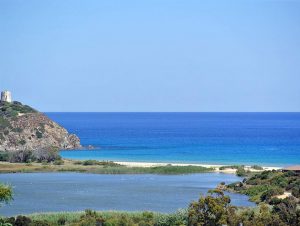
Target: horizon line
[(170, 111)]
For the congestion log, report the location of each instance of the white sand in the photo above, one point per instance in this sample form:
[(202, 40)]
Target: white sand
[(151, 164)]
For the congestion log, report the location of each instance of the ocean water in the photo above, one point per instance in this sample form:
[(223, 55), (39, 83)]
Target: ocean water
[(218, 138), (79, 191)]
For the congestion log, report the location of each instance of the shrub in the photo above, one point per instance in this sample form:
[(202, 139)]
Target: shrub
[(17, 130), (22, 142), (62, 220), (210, 210), (40, 223), (267, 195), (4, 156), (257, 167), (21, 156), (296, 192), (4, 123), (22, 221), (241, 172), (48, 154), (90, 162), (275, 201), (6, 193), (58, 162), (39, 134)]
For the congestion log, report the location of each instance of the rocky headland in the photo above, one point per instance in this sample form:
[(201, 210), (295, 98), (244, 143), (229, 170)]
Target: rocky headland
[(24, 128)]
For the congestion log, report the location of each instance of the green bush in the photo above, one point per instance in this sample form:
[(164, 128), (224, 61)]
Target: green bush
[(6, 193), (4, 123), (4, 156), (58, 162), (241, 172), (257, 167), (39, 134), (22, 142), (90, 162), (296, 192), (268, 195)]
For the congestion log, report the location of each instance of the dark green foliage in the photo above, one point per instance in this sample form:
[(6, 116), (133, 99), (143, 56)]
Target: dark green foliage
[(275, 201), (288, 211), (4, 156), (95, 162), (231, 167), (271, 192), (2, 136), (22, 221), (266, 185), (61, 221), (257, 167), (241, 172), (5, 193), (40, 223), (39, 134), (13, 109), (22, 142), (296, 191), (4, 123), (17, 130), (213, 209), (58, 162)]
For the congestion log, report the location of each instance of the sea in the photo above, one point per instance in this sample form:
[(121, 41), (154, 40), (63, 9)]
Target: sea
[(269, 139)]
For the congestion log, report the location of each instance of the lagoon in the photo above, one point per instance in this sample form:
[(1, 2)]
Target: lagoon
[(44, 192)]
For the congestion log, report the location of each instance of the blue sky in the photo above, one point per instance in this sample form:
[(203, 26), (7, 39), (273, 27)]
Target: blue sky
[(151, 55)]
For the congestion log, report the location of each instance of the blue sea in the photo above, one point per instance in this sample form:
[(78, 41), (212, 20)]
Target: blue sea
[(271, 139)]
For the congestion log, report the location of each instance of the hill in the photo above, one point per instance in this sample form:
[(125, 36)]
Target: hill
[(24, 128)]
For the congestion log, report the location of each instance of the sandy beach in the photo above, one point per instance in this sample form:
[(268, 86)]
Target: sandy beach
[(216, 167)]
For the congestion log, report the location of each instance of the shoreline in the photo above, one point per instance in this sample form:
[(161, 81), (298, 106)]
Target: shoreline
[(124, 167), (215, 166)]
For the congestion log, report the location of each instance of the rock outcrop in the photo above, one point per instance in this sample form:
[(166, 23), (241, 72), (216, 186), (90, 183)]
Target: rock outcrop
[(23, 128)]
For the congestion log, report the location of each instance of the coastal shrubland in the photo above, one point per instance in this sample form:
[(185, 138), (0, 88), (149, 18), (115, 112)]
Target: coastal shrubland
[(48, 154), (268, 185)]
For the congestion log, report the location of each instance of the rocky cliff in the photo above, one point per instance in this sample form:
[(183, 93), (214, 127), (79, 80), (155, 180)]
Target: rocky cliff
[(24, 128)]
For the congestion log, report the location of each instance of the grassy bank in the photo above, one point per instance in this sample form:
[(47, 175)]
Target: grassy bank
[(112, 218), (92, 166)]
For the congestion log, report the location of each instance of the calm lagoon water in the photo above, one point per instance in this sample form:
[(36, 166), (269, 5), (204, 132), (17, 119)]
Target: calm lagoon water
[(43, 192), (218, 138)]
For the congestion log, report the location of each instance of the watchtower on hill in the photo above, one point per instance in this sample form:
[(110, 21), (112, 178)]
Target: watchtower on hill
[(6, 96)]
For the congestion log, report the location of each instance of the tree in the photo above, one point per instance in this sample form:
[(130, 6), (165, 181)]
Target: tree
[(5, 193), (212, 210)]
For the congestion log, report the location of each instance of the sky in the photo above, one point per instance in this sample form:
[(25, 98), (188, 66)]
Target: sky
[(151, 55)]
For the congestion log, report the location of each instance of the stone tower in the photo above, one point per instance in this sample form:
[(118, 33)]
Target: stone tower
[(6, 96)]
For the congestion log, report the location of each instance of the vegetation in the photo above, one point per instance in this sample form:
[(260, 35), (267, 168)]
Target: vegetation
[(265, 186), (231, 167), (91, 166), (214, 209), (49, 154), (5, 193), (13, 109), (257, 167)]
